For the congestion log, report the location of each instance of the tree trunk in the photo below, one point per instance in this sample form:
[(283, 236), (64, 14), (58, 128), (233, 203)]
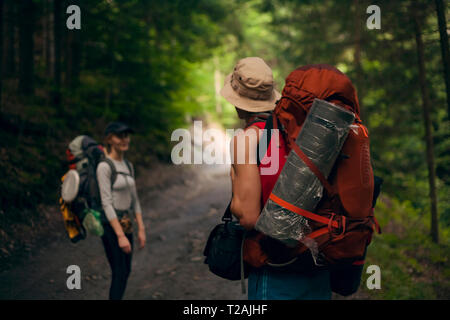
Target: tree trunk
[(46, 31), (57, 30), (50, 41), (9, 65), (427, 121), (440, 9), (26, 46), (73, 54), (1, 52)]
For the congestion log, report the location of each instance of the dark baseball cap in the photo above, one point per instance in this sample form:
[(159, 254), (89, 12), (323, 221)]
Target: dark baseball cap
[(117, 127)]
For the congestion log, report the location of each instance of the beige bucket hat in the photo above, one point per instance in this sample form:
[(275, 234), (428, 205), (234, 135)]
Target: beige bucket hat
[(250, 86)]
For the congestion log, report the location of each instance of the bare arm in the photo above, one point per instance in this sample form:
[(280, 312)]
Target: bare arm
[(117, 227), (139, 221), (138, 216), (245, 179), (138, 209)]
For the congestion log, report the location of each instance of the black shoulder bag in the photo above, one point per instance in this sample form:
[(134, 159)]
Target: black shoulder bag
[(224, 250), (225, 246)]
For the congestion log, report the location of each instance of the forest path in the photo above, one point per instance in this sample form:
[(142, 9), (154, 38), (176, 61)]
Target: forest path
[(179, 212), (181, 206)]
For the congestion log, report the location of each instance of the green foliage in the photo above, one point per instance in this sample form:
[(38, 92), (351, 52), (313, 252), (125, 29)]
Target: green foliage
[(138, 63), (412, 266)]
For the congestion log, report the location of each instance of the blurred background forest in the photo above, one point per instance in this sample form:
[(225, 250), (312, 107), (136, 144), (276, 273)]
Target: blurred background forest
[(158, 65)]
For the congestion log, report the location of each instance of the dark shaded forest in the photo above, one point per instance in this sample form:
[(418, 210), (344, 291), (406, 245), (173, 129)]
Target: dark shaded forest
[(157, 64)]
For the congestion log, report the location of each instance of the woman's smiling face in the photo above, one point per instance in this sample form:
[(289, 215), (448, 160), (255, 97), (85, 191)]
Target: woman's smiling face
[(120, 141)]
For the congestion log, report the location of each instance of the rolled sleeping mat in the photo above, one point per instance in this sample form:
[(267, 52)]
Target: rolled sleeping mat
[(321, 139)]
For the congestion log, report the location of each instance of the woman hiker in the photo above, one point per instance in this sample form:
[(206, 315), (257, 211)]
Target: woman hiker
[(120, 203)]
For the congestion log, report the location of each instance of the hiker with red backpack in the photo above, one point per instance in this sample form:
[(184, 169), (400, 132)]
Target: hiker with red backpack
[(250, 88), (293, 252), (120, 203)]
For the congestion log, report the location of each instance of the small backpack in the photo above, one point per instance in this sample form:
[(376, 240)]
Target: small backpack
[(343, 222), (83, 156)]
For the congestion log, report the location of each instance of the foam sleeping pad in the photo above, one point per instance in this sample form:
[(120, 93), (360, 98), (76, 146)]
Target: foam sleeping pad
[(321, 139)]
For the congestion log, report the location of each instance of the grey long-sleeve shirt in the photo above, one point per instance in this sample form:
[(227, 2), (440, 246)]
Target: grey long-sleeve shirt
[(119, 197)]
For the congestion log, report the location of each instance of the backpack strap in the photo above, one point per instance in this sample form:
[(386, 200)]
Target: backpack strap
[(260, 117), (130, 167), (267, 133), (133, 199), (113, 170), (302, 212), (114, 174), (312, 166)]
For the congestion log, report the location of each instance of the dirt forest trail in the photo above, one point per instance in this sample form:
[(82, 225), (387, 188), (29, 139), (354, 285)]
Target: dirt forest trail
[(180, 209), (181, 205)]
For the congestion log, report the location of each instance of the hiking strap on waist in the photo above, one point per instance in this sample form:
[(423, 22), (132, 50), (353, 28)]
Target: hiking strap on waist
[(318, 233), (301, 249)]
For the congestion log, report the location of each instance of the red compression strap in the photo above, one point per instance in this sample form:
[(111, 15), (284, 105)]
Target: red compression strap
[(318, 233), (313, 235), (301, 211), (311, 166)]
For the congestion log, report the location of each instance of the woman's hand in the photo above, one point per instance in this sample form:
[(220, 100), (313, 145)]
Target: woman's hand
[(141, 230), (122, 240), (124, 244), (141, 237)]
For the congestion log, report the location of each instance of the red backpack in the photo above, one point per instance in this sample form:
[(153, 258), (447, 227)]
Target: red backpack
[(343, 223)]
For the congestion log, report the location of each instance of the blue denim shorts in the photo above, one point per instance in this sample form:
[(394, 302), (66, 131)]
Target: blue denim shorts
[(269, 284)]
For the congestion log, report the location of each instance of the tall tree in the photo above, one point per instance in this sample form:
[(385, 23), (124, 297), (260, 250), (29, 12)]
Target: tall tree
[(9, 65), (73, 58), (440, 9), (73, 53), (1, 51), (26, 46), (426, 104), (48, 36), (57, 31)]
